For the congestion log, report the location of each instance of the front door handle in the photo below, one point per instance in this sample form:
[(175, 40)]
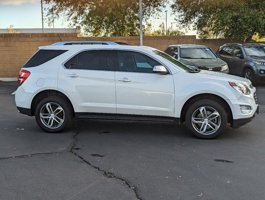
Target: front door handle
[(125, 80), (73, 75)]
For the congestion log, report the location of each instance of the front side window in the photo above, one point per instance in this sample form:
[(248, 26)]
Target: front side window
[(135, 62), (43, 56), (237, 52), (197, 53), (92, 60)]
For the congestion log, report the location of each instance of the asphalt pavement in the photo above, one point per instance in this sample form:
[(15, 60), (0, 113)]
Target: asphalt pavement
[(107, 160)]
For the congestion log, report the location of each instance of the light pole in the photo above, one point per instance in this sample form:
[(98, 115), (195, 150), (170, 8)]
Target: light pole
[(166, 22), (141, 21), (42, 18)]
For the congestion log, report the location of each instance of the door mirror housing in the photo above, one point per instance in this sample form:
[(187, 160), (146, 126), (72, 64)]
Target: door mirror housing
[(160, 69)]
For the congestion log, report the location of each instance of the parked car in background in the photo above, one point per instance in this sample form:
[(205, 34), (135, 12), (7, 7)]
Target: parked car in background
[(246, 60), (131, 83), (199, 56)]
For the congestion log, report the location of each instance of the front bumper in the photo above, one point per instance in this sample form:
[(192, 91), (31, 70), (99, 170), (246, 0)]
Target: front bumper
[(25, 111), (236, 123)]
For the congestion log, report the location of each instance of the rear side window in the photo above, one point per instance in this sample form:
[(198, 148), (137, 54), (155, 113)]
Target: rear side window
[(103, 60), (227, 50), (171, 50), (43, 56)]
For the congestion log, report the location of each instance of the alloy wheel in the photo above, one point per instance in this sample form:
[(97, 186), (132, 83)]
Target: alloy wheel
[(206, 120), (52, 115)]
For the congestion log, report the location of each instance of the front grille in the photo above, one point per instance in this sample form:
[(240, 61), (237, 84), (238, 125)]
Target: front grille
[(256, 97), (215, 69)]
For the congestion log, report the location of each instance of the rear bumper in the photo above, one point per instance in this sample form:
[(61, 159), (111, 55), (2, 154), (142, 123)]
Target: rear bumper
[(25, 111)]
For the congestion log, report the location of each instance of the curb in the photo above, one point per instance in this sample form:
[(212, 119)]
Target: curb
[(11, 79)]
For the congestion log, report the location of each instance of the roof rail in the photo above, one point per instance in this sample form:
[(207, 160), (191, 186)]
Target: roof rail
[(84, 43)]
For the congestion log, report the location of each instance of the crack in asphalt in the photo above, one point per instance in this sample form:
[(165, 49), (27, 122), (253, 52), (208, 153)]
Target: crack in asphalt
[(31, 155), (105, 173)]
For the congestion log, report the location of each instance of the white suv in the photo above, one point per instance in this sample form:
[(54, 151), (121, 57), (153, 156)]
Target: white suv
[(133, 83)]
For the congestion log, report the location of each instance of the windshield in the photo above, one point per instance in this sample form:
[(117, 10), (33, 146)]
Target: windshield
[(197, 53), (176, 63), (255, 51)]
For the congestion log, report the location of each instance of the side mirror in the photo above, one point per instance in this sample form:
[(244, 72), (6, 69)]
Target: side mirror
[(160, 70)]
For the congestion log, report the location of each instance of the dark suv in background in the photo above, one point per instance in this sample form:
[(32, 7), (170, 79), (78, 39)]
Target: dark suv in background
[(199, 56), (247, 60)]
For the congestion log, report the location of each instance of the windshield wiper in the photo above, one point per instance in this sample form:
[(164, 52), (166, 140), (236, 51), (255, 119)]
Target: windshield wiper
[(255, 56), (205, 58), (188, 58)]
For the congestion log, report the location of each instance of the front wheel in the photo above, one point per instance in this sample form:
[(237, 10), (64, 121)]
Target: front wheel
[(249, 74), (53, 114), (206, 119)]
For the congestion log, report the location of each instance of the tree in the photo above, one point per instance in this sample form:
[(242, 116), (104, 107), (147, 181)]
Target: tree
[(223, 18), (161, 31), (104, 17)]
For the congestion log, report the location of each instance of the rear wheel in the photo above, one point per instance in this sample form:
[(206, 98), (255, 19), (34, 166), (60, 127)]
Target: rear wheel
[(206, 119), (53, 114)]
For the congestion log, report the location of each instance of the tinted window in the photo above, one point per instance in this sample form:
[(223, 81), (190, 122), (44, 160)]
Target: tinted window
[(43, 56), (171, 50), (92, 60), (237, 51), (135, 62), (226, 51)]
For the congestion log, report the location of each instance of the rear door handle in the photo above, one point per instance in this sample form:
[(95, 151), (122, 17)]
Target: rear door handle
[(125, 80), (73, 75)]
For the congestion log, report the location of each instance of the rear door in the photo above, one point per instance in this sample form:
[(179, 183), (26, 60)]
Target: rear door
[(89, 80), (139, 90)]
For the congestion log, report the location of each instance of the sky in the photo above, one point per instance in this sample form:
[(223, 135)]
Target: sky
[(23, 14), (27, 14)]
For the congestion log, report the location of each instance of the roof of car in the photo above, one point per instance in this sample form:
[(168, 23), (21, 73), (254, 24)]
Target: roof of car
[(188, 46), (244, 44), (95, 47)]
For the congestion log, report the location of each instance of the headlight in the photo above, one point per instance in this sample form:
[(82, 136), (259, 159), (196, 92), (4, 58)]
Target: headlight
[(240, 87), (224, 68), (259, 63)]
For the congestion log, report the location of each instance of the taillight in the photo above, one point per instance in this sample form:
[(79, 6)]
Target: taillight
[(23, 75)]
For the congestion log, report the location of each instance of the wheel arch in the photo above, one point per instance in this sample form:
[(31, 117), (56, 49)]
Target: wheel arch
[(248, 66), (217, 98), (48, 93)]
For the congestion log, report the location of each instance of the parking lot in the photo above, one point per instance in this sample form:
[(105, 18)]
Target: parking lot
[(126, 160)]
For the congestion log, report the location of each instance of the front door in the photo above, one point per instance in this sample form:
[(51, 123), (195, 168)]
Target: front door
[(139, 90)]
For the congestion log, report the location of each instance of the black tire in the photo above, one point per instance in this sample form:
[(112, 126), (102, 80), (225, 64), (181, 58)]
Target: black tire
[(219, 118), (64, 112), (249, 74)]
